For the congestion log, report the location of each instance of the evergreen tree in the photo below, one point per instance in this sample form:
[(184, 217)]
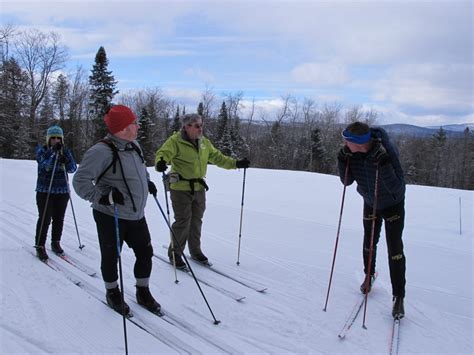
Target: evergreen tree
[(46, 113), (60, 95), (221, 124), (176, 126), (318, 152), (13, 104), (145, 137), (438, 143), (240, 147), (223, 134), (102, 91), (200, 110)]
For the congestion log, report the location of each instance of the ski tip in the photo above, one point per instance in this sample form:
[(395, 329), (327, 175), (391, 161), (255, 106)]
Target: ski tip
[(263, 290), (240, 299), (341, 336)]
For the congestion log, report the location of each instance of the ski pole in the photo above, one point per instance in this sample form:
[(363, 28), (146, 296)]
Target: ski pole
[(72, 208), (371, 249), (47, 199), (171, 237), (117, 235), (187, 262), (337, 234), (241, 214)]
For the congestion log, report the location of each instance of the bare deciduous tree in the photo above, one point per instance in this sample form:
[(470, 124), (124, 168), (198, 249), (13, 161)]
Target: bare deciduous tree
[(40, 55)]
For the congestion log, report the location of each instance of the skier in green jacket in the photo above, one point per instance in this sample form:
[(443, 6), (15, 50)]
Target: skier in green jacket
[(188, 152)]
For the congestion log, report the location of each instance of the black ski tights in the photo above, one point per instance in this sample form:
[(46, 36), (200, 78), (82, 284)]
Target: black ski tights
[(55, 211), (394, 218)]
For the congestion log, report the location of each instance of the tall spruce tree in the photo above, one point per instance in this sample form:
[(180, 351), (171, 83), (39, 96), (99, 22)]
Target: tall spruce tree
[(176, 126), (60, 94), (145, 137), (318, 153), (240, 147), (200, 110), (223, 134), (13, 101), (102, 91)]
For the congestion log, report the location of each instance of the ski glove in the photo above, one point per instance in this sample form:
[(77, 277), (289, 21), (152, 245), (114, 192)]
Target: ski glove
[(242, 164), (344, 154), (57, 147), (114, 197), (62, 159), (379, 154), (161, 165), (152, 188)]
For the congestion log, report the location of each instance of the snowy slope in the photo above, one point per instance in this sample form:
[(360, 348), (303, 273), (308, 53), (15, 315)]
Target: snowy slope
[(289, 228)]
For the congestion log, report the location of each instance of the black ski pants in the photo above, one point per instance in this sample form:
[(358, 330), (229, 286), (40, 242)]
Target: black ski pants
[(55, 211), (394, 218), (137, 237)]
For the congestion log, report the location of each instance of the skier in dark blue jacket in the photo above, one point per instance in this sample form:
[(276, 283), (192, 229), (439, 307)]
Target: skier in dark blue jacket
[(53, 155), (365, 151)]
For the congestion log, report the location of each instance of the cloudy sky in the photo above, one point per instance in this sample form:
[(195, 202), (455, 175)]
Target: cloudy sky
[(411, 61)]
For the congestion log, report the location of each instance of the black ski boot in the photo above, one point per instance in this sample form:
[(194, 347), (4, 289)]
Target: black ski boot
[(145, 299), (398, 311), (362, 286), (56, 248), (41, 253), (180, 264), (114, 300), (200, 258)]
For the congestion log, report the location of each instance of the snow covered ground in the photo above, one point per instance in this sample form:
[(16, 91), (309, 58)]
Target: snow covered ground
[(289, 229)]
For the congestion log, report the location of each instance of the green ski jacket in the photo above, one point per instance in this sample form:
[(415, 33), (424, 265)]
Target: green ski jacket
[(189, 161)]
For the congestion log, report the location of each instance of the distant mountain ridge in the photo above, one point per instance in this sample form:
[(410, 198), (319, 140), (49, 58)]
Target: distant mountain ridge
[(454, 130)]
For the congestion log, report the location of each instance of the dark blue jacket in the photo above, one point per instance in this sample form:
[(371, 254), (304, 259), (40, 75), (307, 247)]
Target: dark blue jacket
[(362, 169), (46, 157)]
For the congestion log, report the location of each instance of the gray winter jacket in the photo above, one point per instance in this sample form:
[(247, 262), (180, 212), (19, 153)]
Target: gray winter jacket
[(95, 162)]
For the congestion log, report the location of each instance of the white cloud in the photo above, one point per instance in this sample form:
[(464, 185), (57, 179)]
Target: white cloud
[(320, 74), (200, 74), (428, 87)]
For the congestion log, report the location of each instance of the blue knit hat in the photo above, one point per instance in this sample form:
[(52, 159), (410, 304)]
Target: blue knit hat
[(54, 131)]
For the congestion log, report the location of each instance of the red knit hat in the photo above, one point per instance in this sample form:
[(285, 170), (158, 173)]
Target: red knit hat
[(118, 118)]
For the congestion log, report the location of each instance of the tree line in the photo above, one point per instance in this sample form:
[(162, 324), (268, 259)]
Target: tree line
[(302, 134)]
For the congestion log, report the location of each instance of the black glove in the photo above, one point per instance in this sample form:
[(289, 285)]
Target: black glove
[(57, 147), (114, 196), (242, 164), (344, 154), (62, 159), (152, 188), (161, 166), (379, 154)]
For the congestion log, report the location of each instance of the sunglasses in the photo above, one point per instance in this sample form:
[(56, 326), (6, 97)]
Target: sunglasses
[(56, 138)]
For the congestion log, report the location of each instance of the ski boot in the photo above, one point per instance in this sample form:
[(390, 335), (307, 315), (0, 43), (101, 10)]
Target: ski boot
[(398, 310), (56, 248), (114, 300), (41, 253), (145, 299)]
